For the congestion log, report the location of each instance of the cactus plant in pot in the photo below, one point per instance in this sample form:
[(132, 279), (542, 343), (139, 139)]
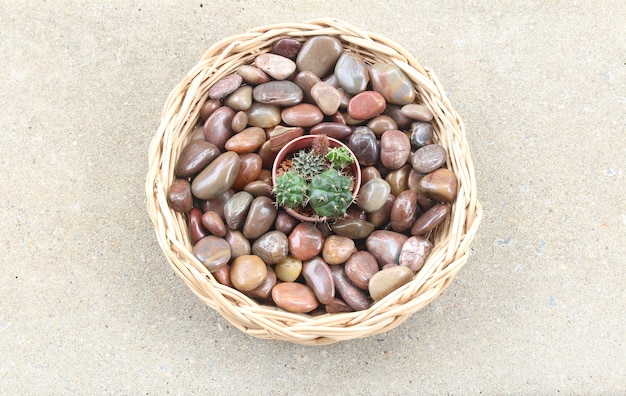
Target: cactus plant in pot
[(315, 178)]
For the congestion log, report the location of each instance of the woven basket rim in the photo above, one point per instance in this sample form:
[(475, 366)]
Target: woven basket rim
[(453, 237)]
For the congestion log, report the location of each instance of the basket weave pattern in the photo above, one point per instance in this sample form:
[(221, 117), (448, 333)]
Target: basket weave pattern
[(451, 239)]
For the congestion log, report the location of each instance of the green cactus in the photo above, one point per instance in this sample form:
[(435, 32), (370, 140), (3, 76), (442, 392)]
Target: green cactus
[(339, 157), (291, 190), (308, 164), (330, 193)]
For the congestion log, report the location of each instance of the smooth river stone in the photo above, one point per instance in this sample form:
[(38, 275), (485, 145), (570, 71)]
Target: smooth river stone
[(222, 275), (195, 156), (306, 80), (179, 196), (381, 124), (225, 86), (216, 204), (387, 280), (259, 188), (337, 305), (247, 272), (287, 47), (440, 185), (331, 129), (267, 155), (351, 294), (395, 112), (278, 67), (218, 127), (240, 121), (197, 231), (217, 177), (260, 217), (382, 216), (421, 134), (285, 223), (263, 115), (264, 290), (279, 93), (353, 228), (431, 219), (252, 75), (360, 268), (209, 107), (239, 244), (213, 252), (281, 135), (398, 179), (241, 99), (385, 246), (326, 97), (363, 144), (214, 223), (417, 112), (318, 277), (294, 297), (373, 195), (392, 83), (337, 249), (305, 241), (414, 252), (288, 269), (351, 73), (366, 105), (247, 141), (395, 148), (236, 209), (303, 115), (368, 173), (272, 247), (319, 55), (198, 132), (404, 211), (429, 158), (250, 166)]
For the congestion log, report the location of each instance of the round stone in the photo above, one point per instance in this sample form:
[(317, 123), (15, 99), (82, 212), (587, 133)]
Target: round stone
[(197, 231), (239, 244), (353, 228), (214, 223), (331, 129), (326, 97), (351, 294), (217, 177), (272, 247), (337, 305), (240, 121), (421, 134), (318, 277), (225, 86), (395, 112), (209, 107), (373, 195), (366, 105), (252, 75), (222, 275), (218, 127), (247, 272), (285, 223), (385, 246), (417, 112), (279, 93), (247, 141), (382, 216), (429, 158), (414, 252), (287, 47), (387, 280), (259, 188), (303, 115), (281, 135), (395, 148), (440, 185), (250, 166), (398, 179), (213, 252), (263, 115), (305, 241), (260, 217), (360, 268), (278, 67), (236, 209), (294, 297), (392, 83), (241, 99), (431, 219), (288, 269), (306, 80), (319, 55), (404, 211), (217, 204), (195, 156), (381, 123), (264, 291), (368, 173), (364, 145), (179, 196), (351, 73), (337, 249)]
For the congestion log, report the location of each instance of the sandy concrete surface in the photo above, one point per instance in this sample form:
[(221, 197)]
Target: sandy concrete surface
[(90, 305)]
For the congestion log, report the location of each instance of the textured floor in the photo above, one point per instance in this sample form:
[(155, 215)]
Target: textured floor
[(89, 304)]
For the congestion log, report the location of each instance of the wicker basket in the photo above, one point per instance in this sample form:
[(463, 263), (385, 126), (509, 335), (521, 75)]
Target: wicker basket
[(451, 239)]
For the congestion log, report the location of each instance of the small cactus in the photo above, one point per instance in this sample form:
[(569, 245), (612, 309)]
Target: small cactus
[(308, 164), (291, 190), (330, 193), (339, 157)]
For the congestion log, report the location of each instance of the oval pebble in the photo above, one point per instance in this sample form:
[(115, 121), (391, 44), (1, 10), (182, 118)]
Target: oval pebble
[(288, 269), (318, 277), (414, 252), (294, 297), (387, 280), (217, 177), (429, 158), (247, 272), (213, 252), (337, 249), (360, 268)]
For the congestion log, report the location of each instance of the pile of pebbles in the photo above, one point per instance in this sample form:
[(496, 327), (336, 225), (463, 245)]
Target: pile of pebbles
[(224, 179)]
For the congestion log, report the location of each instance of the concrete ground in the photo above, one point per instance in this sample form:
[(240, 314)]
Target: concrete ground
[(89, 304)]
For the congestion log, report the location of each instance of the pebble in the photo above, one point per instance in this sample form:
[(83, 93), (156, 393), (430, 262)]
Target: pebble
[(218, 127), (332, 129), (276, 66), (225, 86), (222, 275), (216, 204), (250, 166), (197, 231), (241, 99), (368, 173), (360, 268), (385, 246), (373, 195), (351, 73), (326, 97), (240, 121), (417, 112), (306, 80), (285, 223), (404, 211), (387, 280), (305, 241), (303, 115), (239, 244), (179, 196), (431, 219), (260, 217), (395, 148), (398, 179), (259, 188), (421, 134), (440, 185), (287, 47), (364, 145), (288, 269), (279, 93), (196, 155), (294, 297), (414, 253), (338, 306), (337, 249), (319, 55), (213, 252), (381, 123), (217, 177), (252, 75), (382, 216), (272, 247), (350, 293), (236, 209), (209, 107), (263, 115), (392, 83), (428, 158), (395, 112), (197, 133), (318, 277), (248, 272), (214, 223), (281, 135), (267, 155), (353, 228), (366, 105), (247, 141), (414, 178), (264, 290)]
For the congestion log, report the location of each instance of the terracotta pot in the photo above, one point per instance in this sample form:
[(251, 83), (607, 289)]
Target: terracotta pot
[(304, 142)]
